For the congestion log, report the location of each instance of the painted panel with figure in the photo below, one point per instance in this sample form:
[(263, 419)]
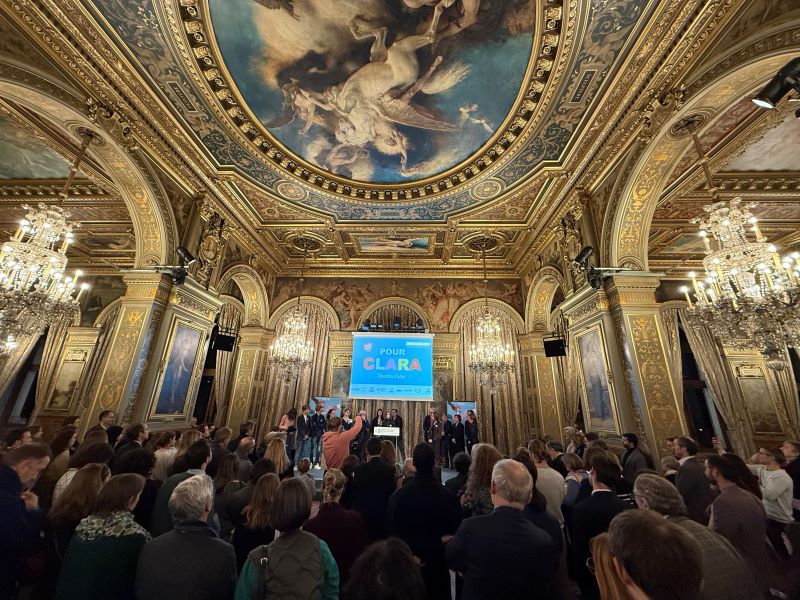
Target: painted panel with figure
[(340, 382), (176, 380), (23, 156), (66, 382), (442, 388), (595, 382), (439, 299), (381, 244), (378, 91), (758, 400)]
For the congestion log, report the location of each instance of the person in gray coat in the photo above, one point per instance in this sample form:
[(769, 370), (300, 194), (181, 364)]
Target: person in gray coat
[(190, 561)]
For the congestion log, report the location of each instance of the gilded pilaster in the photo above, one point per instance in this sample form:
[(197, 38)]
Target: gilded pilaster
[(541, 388), (164, 393), (657, 409), (119, 378), (249, 375)]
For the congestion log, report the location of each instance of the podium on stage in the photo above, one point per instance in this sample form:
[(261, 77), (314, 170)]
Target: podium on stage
[(388, 432)]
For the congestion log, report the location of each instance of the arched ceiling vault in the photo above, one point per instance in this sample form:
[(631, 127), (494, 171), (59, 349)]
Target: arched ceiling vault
[(400, 130)]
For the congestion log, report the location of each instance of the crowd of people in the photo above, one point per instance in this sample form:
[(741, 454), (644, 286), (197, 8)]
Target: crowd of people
[(201, 513)]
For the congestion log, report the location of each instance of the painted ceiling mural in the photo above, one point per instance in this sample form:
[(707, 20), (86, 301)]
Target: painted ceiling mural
[(381, 92), (350, 297), (279, 86), (22, 156)]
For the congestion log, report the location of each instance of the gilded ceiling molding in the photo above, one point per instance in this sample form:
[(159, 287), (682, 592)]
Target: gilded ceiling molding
[(256, 302), (637, 203), (395, 300), (289, 305), (153, 222), (493, 303), (543, 288)]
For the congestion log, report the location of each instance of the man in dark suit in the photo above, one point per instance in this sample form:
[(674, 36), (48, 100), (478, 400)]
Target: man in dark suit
[(502, 554), (555, 457), (634, 460), (592, 517), (190, 561), (246, 429), (421, 513), (691, 480), (395, 420), (303, 434), (135, 437), (363, 435), (104, 421), (373, 484)]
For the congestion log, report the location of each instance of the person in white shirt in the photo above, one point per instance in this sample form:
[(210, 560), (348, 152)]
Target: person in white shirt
[(776, 491), (549, 481)]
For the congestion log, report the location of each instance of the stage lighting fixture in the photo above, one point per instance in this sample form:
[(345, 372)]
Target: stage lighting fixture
[(582, 257), (787, 79), (185, 256)]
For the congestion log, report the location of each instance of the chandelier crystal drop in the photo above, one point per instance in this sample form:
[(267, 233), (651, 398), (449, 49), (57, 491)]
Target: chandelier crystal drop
[(489, 358), (749, 295)]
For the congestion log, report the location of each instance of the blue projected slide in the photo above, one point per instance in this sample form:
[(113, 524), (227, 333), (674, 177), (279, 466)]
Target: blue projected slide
[(392, 366)]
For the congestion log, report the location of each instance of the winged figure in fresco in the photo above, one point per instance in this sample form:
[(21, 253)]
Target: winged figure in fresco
[(278, 5), (368, 106)]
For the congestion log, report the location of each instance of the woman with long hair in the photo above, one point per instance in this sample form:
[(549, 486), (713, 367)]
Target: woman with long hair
[(165, 451), (389, 455), (227, 472), (347, 419), (368, 579), (276, 452), (101, 559), (377, 420), (185, 442), (343, 530), (141, 461), (470, 431), (349, 465), (99, 452), (287, 425), (319, 578), (477, 498), (256, 529), (601, 565), (60, 445)]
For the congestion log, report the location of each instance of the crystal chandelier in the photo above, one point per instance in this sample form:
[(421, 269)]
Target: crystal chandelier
[(749, 296), (291, 352), (35, 291), (489, 357)]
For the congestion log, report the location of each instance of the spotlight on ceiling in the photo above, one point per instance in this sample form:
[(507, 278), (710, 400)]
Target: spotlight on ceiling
[(582, 257), (186, 258), (785, 80)]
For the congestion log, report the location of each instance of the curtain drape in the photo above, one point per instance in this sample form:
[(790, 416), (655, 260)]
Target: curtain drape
[(510, 412), (788, 390), (280, 395), (53, 347), (669, 319), (94, 363), (230, 318), (721, 383)]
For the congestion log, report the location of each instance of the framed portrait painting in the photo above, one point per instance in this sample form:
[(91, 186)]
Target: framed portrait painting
[(183, 352), (66, 383), (594, 376), (758, 402)]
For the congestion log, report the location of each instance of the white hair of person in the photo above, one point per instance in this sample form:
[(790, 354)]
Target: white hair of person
[(190, 498), (512, 481)]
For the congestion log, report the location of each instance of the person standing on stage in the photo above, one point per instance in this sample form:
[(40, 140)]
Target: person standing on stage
[(458, 436), (318, 426), (428, 426), (347, 419), (378, 420), (471, 431), (447, 439), (439, 441), (364, 435), (395, 420)]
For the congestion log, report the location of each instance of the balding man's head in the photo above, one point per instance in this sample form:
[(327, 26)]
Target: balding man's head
[(659, 495), (512, 484)]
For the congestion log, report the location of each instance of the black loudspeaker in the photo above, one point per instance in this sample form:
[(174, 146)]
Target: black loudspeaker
[(554, 347), (224, 343)]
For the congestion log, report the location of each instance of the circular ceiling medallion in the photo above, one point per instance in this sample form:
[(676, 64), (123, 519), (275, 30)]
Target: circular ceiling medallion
[(290, 191), (377, 100), (688, 125), (483, 243), (486, 190), (305, 243)]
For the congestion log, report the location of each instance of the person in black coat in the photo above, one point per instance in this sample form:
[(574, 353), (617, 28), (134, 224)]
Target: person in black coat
[(373, 484), (363, 435), (459, 443), (395, 420), (448, 441), (429, 426), (502, 554), (421, 513), (303, 434), (470, 431), (190, 561), (691, 480), (592, 517), (219, 450), (458, 482)]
